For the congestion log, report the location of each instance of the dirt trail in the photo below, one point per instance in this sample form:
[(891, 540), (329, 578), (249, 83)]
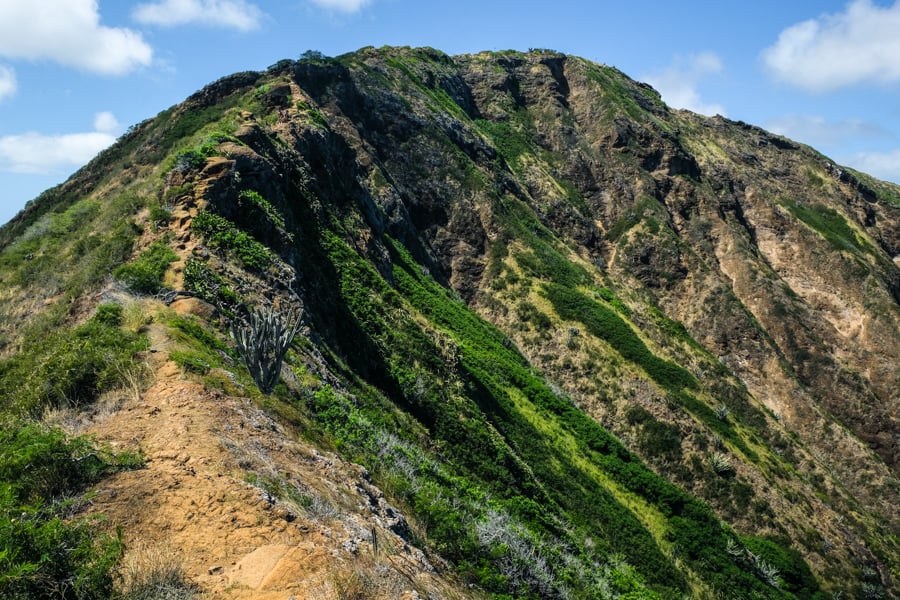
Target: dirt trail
[(235, 540)]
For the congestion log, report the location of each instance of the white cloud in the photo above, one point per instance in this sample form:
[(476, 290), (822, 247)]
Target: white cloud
[(106, 122), (235, 14), (884, 165), (832, 51), (8, 84), (817, 131), (345, 6), (40, 154), (677, 84), (69, 32)]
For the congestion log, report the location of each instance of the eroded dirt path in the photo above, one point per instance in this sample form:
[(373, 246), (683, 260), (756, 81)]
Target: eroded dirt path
[(191, 502)]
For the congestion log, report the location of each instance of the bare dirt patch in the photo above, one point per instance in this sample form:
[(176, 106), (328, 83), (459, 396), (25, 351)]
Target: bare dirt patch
[(193, 503)]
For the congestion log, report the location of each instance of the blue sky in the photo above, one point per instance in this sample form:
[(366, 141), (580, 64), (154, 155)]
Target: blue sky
[(74, 74)]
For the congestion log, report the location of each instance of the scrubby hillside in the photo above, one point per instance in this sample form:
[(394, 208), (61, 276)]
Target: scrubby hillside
[(557, 339)]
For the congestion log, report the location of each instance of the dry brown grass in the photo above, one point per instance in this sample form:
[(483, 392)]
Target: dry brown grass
[(153, 573)]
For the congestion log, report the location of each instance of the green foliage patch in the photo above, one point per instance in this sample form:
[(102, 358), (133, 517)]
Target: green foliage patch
[(70, 366), (221, 233), (43, 552), (509, 138), (190, 362), (199, 279), (144, 274), (491, 449), (793, 574), (174, 125), (619, 92), (259, 207), (493, 367), (832, 226), (604, 323), (69, 252)]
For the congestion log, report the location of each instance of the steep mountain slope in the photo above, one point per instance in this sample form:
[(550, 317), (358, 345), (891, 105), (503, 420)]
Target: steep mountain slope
[(586, 345)]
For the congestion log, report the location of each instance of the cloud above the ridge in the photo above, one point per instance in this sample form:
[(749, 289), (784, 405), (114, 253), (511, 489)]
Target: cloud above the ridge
[(228, 14), (818, 131), (677, 83), (8, 83), (39, 154), (833, 51), (69, 32), (344, 6), (106, 122), (884, 165)]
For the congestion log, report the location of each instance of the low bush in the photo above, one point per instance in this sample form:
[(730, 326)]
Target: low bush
[(44, 553), (202, 281), (70, 366), (221, 233), (144, 274), (190, 362), (258, 207)]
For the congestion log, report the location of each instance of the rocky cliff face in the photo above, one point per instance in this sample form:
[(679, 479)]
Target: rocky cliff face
[(497, 254)]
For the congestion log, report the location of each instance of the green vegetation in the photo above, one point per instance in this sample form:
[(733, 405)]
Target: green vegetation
[(523, 459), (70, 366), (262, 340), (145, 273), (199, 279), (44, 553), (409, 63), (192, 159), (72, 251), (221, 233), (656, 439), (174, 125), (508, 137), (262, 220), (621, 93), (315, 115), (190, 362), (497, 470), (831, 226), (604, 323)]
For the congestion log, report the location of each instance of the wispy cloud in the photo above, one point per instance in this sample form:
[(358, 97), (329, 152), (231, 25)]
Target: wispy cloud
[(229, 14), (69, 32), (345, 6), (884, 165), (818, 131), (678, 83), (8, 84), (837, 50), (106, 122), (40, 154)]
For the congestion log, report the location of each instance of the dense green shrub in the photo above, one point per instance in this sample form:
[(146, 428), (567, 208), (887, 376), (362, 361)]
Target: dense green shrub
[(662, 440), (831, 225), (44, 554), (189, 160), (222, 233), (257, 207), (70, 366), (199, 279), (190, 362), (794, 575), (145, 273)]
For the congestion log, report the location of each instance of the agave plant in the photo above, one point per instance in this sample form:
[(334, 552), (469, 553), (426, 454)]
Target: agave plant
[(263, 340), (721, 464)]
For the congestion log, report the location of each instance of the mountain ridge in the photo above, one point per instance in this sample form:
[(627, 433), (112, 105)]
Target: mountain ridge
[(721, 299)]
